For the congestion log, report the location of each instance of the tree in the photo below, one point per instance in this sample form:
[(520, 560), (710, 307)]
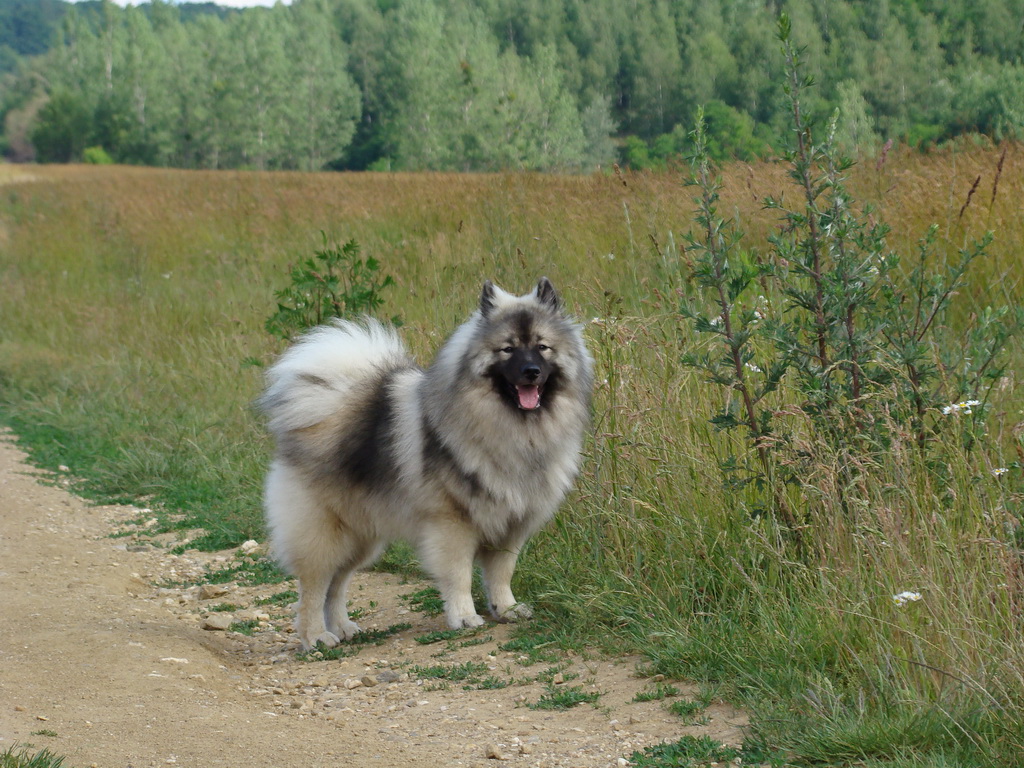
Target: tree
[(62, 128), (325, 104)]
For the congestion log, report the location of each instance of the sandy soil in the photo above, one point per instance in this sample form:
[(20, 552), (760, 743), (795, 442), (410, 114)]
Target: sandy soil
[(102, 663)]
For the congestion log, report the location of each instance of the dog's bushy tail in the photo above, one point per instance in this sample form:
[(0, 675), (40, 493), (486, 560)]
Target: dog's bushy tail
[(325, 369)]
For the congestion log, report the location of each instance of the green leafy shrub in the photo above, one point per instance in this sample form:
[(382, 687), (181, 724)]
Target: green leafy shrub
[(335, 282), (832, 350), (96, 156)]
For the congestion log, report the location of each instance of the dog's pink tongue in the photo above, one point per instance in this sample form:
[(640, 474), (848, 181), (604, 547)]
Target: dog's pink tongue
[(529, 397)]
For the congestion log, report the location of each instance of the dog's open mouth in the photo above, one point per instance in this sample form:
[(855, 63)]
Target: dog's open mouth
[(528, 396)]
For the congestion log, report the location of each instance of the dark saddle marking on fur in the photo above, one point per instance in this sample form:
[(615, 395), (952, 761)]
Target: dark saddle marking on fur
[(367, 457)]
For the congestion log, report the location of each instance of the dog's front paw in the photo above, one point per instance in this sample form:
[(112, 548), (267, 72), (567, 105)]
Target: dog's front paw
[(326, 639), (470, 621), (514, 612), (346, 629)]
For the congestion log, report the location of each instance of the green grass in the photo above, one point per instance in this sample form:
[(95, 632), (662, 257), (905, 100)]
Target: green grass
[(534, 646), (439, 636), (133, 297), (352, 647), (247, 627), (698, 752), (686, 709), (560, 697), (427, 600), (22, 757), (247, 571), (473, 676), (657, 693), (281, 598)]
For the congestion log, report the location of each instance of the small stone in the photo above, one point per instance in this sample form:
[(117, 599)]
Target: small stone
[(217, 622), (368, 681), (211, 591), (250, 546), (353, 683), (493, 752), (558, 679), (388, 676)]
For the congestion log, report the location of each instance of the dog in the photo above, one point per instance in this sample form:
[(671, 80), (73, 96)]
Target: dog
[(465, 459)]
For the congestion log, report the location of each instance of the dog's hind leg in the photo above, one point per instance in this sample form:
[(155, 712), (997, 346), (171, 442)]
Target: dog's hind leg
[(338, 621), (447, 548), (329, 554), (309, 622), (498, 564)]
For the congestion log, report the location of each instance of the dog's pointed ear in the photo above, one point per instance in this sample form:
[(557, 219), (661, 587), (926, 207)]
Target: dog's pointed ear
[(487, 298), (547, 295)]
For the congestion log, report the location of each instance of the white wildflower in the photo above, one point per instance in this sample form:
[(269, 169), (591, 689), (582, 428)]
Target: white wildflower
[(753, 367), (1000, 471), (761, 308), (964, 406), (905, 597)]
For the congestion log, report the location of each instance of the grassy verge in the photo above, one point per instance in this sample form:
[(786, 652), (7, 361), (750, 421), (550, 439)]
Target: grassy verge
[(23, 757), (133, 299)]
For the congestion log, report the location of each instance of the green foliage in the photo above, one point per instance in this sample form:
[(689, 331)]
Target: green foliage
[(472, 675), (837, 321), (96, 156), (439, 636), (659, 692), (533, 646), (246, 570), (21, 757), (62, 128), (247, 627), (450, 85), (457, 673), (26, 28), (427, 600), (559, 697), (686, 709), (688, 752), (281, 598), (352, 646), (334, 283)]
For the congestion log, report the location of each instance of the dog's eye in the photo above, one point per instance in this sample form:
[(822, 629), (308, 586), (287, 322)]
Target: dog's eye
[(508, 350), (543, 347)]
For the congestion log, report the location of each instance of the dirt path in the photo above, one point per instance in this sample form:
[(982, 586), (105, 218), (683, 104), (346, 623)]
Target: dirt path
[(101, 665)]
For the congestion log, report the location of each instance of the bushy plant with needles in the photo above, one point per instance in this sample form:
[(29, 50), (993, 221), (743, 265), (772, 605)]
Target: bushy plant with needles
[(334, 282), (831, 348)]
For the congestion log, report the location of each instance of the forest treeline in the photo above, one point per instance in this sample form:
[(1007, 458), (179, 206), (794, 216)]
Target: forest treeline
[(491, 84)]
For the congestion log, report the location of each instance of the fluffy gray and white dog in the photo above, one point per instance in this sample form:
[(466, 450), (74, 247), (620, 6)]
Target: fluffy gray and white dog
[(465, 459)]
